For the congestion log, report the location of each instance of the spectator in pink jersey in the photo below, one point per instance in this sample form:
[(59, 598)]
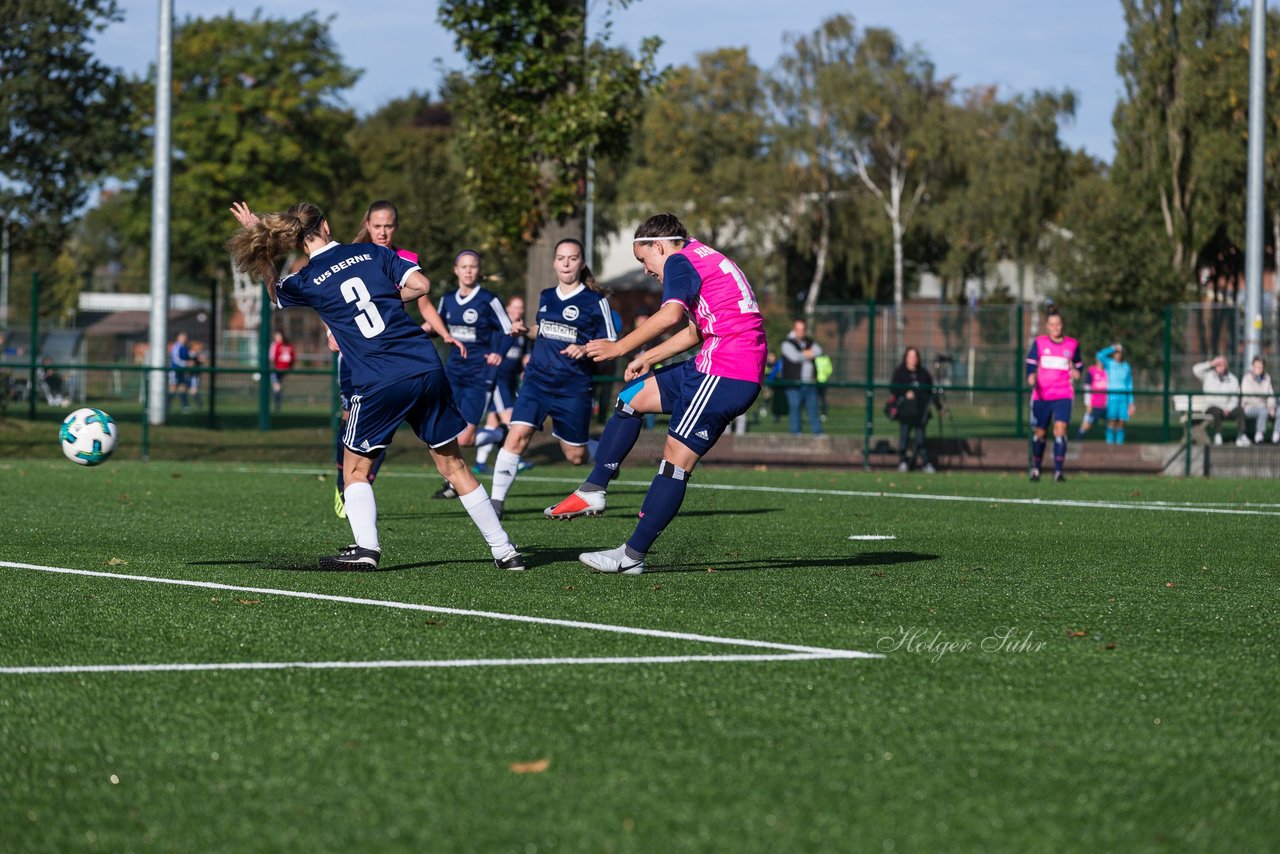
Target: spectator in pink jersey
[(1095, 397), (703, 394), (1053, 366)]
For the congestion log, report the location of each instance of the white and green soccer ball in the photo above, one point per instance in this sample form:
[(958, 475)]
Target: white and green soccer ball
[(88, 436)]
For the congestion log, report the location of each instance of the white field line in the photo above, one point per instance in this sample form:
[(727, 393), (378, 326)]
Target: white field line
[(1167, 506), (805, 651), (405, 665)]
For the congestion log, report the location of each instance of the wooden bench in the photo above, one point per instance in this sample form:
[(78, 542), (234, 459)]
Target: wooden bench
[(1190, 407)]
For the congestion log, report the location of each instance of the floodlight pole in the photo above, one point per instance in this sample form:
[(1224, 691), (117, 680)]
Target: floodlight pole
[(1253, 213), (157, 353), (4, 275)]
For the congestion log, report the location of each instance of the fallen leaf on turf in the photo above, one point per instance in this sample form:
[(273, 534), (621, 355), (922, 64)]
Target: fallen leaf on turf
[(537, 766), (709, 569), (433, 622), (1168, 584), (115, 561), (570, 587), (1111, 645), (1073, 633), (249, 601), (176, 475), (657, 587)]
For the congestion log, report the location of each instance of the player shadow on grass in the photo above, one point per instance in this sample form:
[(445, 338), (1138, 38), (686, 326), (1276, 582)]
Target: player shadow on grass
[(656, 562), (522, 514)]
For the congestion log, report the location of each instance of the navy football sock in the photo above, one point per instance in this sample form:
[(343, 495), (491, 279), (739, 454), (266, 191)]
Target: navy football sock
[(1059, 453), (661, 504), (1037, 452), (619, 437)]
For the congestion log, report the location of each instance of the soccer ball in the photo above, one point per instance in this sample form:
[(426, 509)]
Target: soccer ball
[(88, 436)]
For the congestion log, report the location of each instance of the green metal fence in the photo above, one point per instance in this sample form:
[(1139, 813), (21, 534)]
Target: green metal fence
[(976, 353)]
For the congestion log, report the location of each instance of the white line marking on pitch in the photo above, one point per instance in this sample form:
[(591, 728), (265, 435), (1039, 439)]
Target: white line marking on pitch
[(406, 665), (872, 537), (1172, 507), (805, 651)]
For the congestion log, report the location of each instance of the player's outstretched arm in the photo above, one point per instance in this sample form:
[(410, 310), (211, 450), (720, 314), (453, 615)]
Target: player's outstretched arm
[(434, 322), (664, 319), (678, 343)]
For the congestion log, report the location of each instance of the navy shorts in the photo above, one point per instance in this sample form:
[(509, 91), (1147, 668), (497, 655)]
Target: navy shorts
[(425, 401), (570, 413), (1097, 413), (472, 401), (504, 393), (701, 405), (1045, 412), (346, 387)]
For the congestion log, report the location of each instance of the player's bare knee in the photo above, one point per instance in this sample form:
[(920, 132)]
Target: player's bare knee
[(576, 455)]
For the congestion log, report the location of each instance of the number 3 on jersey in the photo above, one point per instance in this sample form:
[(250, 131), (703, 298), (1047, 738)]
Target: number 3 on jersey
[(746, 305), (368, 321)]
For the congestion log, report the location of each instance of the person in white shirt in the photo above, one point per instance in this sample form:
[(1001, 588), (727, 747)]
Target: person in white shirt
[(1258, 400), (1222, 397)]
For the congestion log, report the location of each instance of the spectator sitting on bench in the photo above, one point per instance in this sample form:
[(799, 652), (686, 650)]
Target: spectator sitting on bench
[(1222, 398), (51, 384), (1259, 401)]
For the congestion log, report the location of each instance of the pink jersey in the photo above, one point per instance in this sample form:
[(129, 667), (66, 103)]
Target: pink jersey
[(1052, 363), (1096, 382), (411, 257), (727, 315)]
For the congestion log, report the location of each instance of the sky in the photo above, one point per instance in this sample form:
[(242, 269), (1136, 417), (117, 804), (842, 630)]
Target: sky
[(1018, 45)]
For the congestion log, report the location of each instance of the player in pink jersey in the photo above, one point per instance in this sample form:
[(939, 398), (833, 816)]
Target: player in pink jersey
[(1053, 366), (703, 395), (1095, 397)]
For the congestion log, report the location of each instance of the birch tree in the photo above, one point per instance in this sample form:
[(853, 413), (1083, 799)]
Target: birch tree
[(897, 117), (809, 90)]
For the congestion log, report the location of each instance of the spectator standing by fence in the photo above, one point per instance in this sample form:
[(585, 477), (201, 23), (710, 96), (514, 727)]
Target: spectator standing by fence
[(912, 391), (180, 362), (282, 356), (1259, 401), (1222, 398), (798, 370)]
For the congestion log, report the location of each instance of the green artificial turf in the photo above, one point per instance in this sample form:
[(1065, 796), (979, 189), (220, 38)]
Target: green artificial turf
[(1133, 707)]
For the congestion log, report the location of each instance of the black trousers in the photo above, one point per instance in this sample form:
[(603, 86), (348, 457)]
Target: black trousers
[(905, 429)]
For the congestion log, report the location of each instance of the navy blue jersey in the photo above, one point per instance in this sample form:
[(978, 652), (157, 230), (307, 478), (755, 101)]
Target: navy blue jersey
[(480, 322), (582, 316), (514, 348), (355, 288)]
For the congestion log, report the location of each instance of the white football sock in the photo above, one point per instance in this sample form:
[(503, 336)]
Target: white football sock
[(362, 513), (481, 511), (483, 452), (504, 473)]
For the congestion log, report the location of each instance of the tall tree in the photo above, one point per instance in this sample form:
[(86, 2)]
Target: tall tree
[(406, 154), (1007, 175), (703, 152), (1168, 131), (896, 113), (257, 114), (537, 102), (810, 87), (67, 114)]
